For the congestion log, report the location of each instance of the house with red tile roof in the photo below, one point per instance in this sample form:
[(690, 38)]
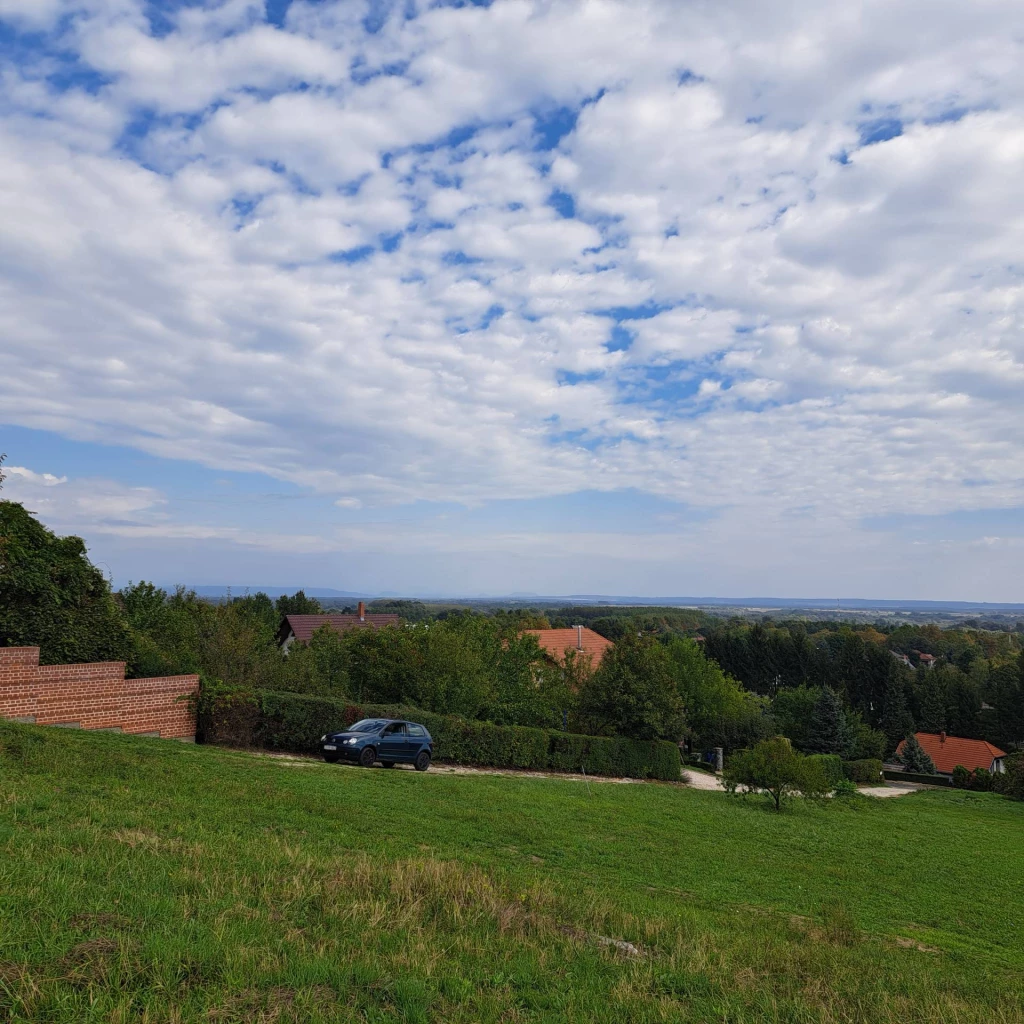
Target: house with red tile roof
[(949, 751), (302, 627), (556, 643)]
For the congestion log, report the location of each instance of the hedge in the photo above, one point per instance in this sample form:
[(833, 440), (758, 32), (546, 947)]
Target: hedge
[(868, 770), (295, 722), (925, 780), (831, 765)]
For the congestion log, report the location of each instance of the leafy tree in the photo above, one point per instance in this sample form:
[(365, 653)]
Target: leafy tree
[(914, 758), (829, 731), (775, 768), (53, 597), (719, 711), (633, 693), (793, 710), (297, 604)]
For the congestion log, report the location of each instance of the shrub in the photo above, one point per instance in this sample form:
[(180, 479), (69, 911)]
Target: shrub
[(291, 721), (961, 777), (775, 768), (831, 767), (866, 771), (981, 780), (1011, 782)]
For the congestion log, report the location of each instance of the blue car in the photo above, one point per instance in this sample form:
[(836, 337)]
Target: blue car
[(380, 739)]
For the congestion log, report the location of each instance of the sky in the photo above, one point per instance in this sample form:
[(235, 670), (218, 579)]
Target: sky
[(652, 297)]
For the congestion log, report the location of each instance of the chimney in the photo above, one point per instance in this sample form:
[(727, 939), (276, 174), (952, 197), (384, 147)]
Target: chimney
[(579, 638), (362, 612), (942, 736)]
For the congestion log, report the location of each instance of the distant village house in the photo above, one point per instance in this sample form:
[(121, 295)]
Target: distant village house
[(302, 627)]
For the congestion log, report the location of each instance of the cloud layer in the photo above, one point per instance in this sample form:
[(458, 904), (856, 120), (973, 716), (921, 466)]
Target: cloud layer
[(758, 259)]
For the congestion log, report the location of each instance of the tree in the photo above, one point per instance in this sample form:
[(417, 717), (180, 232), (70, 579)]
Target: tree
[(53, 597), (775, 768), (633, 693), (829, 731), (297, 604), (719, 712), (914, 758), (932, 701), (897, 721)]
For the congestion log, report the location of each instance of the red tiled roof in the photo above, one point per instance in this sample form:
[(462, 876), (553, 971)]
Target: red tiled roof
[(304, 626), (557, 641), (949, 751)]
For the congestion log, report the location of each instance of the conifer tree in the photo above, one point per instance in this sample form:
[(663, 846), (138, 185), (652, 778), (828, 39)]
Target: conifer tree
[(914, 758), (829, 731)]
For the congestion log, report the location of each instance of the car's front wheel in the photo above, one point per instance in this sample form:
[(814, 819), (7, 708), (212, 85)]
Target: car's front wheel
[(367, 756), (422, 761)]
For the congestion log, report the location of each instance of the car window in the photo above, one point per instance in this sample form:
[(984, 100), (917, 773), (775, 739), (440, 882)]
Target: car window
[(366, 725), (394, 729), (416, 730)]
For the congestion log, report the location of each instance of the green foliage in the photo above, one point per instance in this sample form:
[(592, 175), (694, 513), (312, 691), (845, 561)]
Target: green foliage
[(297, 604), (829, 731), (633, 693), (961, 777), (831, 766), (897, 722), (775, 768), (295, 722), (981, 780), (866, 771), (52, 597), (914, 758), (719, 711), (1011, 782)]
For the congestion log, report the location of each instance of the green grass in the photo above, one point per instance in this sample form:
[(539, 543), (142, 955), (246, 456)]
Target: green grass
[(147, 881)]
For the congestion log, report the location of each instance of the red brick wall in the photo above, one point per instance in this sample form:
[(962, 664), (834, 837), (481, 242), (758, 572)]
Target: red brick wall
[(95, 696)]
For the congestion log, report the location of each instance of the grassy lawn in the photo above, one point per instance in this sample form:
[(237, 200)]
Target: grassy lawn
[(143, 880)]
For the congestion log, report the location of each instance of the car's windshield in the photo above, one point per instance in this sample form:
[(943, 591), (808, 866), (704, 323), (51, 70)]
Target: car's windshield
[(366, 725)]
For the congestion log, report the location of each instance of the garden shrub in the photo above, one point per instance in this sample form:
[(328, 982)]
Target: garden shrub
[(961, 777), (831, 766), (981, 780), (292, 721), (866, 771)]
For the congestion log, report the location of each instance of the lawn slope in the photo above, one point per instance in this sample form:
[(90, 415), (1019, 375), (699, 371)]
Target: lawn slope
[(142, 880)]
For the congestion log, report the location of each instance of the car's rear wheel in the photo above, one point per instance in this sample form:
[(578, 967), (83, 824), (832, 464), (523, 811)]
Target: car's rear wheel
[(367, 756), (331, 758), (422, 761)]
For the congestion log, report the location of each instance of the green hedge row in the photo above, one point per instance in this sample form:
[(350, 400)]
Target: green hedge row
[(295, 722), (868, 770), (831, 765), (926, 780)]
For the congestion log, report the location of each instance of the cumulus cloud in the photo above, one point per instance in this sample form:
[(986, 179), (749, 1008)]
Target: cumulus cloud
[(741, 257)]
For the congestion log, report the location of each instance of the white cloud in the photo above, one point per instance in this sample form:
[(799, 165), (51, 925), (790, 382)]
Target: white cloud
[(332, 254)]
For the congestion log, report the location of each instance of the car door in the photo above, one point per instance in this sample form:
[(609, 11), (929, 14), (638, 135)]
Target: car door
[(417, 736), (392, 742)]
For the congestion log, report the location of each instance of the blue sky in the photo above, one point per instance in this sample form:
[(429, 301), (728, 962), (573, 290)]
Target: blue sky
[(555, 297)]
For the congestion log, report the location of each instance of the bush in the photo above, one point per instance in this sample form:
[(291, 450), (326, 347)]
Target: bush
[(831, 767), (961, 777), (291, 721), (866, 771), (981, 780)]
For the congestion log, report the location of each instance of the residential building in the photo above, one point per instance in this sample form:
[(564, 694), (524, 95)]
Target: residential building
[(556, 643), (949, 751), (302, 627)]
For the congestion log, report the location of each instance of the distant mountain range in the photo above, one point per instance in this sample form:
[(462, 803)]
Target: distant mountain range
[(823, 603)]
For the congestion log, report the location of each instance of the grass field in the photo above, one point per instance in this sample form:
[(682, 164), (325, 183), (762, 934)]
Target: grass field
[(143, 880)]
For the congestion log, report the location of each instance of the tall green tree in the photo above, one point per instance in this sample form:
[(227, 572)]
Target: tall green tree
[(52, 597), (829, 731), (915, 758), (633, 693), (897, 721)]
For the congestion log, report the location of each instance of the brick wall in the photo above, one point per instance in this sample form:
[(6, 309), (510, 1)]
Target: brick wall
[(94, 696)]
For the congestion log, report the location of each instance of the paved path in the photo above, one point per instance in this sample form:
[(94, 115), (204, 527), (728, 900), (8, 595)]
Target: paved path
[(693, 779)]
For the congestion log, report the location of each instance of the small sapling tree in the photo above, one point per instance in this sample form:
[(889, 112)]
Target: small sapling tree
[(914, 758), (775, 768)]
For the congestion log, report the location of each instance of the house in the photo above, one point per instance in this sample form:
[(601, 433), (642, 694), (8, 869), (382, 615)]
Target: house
[(949, 751), (927, 660), (556, 643), (302, 627)]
